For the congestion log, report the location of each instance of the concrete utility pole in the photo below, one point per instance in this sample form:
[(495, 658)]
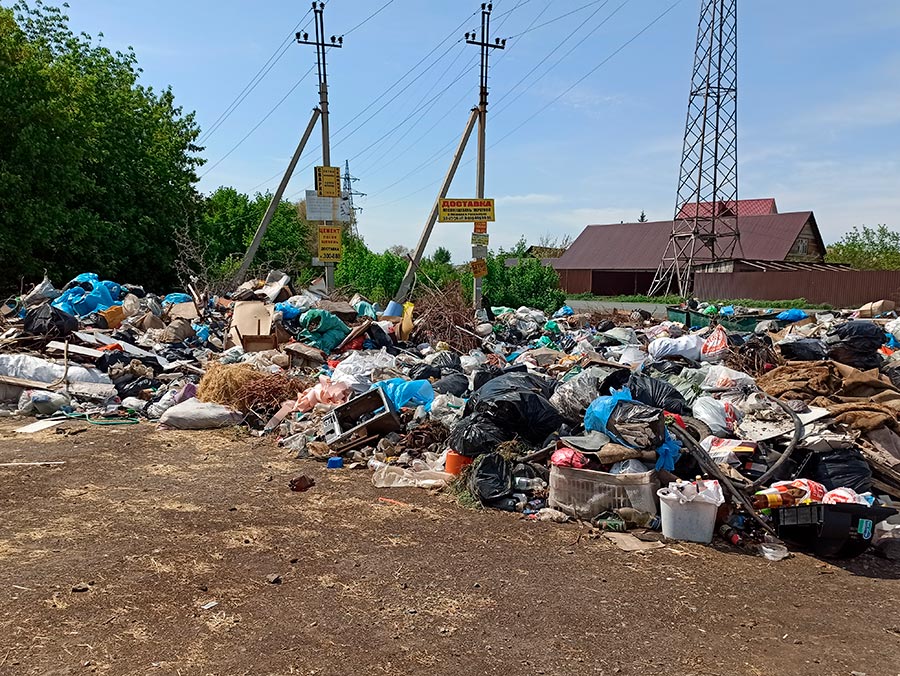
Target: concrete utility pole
[(479, 115), (320, 112), (320, 45), (486, 46)]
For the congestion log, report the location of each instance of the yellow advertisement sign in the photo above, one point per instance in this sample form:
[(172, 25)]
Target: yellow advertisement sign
[(480, 240), (465, 210), (328, 181), (330, 243), (479, 268)]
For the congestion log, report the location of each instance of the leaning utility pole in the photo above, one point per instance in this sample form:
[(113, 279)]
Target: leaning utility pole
[(479, 115), (705, 227), (486, 47), (320, 112)]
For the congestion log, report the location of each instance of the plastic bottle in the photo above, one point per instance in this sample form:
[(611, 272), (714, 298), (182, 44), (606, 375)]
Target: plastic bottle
[(638, 519), (731, 535), (374, 464), (525, 484), (776, 497)]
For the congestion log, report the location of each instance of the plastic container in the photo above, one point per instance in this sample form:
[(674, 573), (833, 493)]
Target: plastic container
[(836, 531), (393, 309), (585, 493), (693, 521), (335, 463), (455, 463)]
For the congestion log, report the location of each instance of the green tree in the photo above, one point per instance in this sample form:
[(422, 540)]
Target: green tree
[(441, 255), (643, 217), (867, 248), (97, 171), (376, 276)]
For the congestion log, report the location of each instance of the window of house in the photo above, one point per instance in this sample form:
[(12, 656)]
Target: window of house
[(802, 246)]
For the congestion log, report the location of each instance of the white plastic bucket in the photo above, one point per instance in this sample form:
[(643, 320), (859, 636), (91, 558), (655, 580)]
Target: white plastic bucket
[(693, 521)]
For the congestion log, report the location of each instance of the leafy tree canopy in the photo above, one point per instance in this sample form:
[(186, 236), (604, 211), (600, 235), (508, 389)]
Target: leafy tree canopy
[(867, 248), (96, 170)]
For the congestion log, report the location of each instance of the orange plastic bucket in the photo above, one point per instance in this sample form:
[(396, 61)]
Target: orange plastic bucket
[(455, 463)]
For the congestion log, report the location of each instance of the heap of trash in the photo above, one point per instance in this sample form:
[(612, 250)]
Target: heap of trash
[(781, 434)]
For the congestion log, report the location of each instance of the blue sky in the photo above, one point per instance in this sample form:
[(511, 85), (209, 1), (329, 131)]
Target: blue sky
[(819, 104)]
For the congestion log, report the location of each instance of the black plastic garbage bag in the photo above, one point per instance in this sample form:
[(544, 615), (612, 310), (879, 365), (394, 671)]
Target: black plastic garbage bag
[(447, 362), (477, 434), (423, 371), (855, 344), (840, 467), (605, 325), (665, 366), (638, 425), (484, 374), (518, 403), (573, 397), (805, 349), (657, 393), (490, 478), (453, 383), (135, 387), (46, 320)]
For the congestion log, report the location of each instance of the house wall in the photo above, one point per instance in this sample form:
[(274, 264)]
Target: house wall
[(575, 281), (806, 247), (620, 282)]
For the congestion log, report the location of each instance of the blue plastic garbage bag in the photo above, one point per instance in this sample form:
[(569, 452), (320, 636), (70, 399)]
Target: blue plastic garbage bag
[(115, 290), (407, 392), (77, 301), (728, 311), (668, 453), (792, 315), (597, 415), (175, 298), (288, 311), (86, 277), (564, 311), (202, 331)]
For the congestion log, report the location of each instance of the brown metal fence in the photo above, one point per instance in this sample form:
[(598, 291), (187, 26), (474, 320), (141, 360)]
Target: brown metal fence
[(840, 289)]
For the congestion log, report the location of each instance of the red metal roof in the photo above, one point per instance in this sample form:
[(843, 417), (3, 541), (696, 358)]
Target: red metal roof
[(757, 207), (640, 246)]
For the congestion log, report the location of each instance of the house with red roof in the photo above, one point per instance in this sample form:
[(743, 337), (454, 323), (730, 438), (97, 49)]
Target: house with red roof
[(621, 258)]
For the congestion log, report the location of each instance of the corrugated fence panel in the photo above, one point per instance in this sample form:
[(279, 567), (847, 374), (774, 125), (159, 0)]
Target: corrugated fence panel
[(840, 289)]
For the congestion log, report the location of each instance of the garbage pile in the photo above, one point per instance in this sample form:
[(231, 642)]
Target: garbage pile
[(786, 434)]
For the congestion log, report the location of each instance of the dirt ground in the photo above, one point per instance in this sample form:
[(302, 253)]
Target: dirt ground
[(157, 525)]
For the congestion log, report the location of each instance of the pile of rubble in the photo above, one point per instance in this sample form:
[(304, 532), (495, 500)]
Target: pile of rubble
[(787, 433)]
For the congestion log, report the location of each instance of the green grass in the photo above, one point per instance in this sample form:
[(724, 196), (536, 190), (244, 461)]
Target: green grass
[(675, 300)]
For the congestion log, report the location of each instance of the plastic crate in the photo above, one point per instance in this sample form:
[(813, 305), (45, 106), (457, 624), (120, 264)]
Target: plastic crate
[(585, 493), (836, 531)]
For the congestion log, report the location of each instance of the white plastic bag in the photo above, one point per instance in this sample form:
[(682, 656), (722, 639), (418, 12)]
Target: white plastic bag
[(391, 476), (43, 371), (42, 402), (194, 414), (356, 370), (704, 490), (723, 377), (720, 417), (715, 346), (632, 466), (447, 408), (687, 346)]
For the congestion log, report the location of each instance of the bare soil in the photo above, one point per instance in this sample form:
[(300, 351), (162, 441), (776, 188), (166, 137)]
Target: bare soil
[(155, 525)]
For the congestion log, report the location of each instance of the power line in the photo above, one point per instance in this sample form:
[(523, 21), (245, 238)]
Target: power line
[(255, 80), (368, 18), (540, 110), (561, 16), (589, 73), (562, 58), (258, 124)]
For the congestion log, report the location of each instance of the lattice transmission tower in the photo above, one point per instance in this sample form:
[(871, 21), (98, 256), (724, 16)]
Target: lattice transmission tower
[(705, 227)]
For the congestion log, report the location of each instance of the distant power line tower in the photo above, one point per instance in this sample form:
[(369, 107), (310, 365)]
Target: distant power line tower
[(349, 193), (705, 227)]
